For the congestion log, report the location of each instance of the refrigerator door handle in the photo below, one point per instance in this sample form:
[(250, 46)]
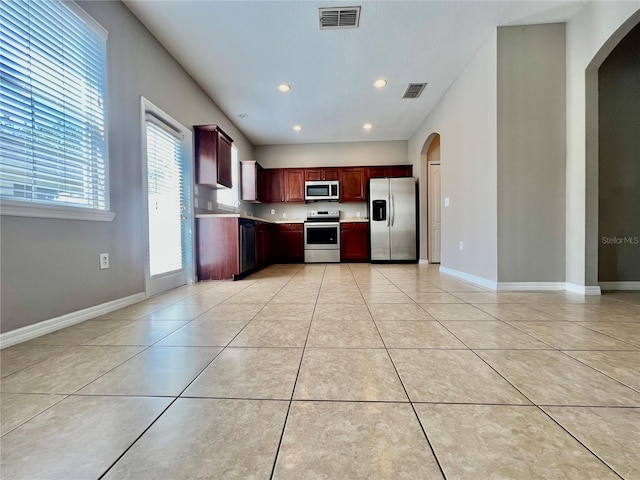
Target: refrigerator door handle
[(390, 210), (392, 207)]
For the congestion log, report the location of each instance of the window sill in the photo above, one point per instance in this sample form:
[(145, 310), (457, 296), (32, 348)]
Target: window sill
[(17, 209)]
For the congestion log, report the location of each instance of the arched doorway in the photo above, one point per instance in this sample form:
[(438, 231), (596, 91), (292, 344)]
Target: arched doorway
[(431, 170), (619, 165), (595, 167)]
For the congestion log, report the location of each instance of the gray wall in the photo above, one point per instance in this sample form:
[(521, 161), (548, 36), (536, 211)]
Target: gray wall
[(466, 119), (531, 153), (619, 157), (50, 267), (333, 154)]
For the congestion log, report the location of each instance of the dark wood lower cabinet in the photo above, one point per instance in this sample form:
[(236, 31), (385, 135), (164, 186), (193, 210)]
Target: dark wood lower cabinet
[(354, 242), (264, 244), (290, 242), (218, 248)]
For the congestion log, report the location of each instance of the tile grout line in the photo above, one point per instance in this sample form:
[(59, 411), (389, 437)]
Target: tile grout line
[(170, 404), (415, 413), (295, 383), (518, 390), (537, 406)]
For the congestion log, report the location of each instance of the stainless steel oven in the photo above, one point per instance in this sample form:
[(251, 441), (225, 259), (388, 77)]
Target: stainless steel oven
[(322, 237)]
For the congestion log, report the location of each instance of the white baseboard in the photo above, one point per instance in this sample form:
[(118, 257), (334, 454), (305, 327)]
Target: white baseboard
[(530, 286), (582, 289), (526, 286), (29, 332), (628, 285), (483, 282)]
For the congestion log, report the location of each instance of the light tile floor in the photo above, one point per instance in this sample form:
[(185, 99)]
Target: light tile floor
[(332, 371)]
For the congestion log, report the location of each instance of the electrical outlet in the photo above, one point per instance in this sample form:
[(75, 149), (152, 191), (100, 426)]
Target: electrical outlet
[(209, 205), (104, 261), (284, 215), (273, 211), (446, 202), (461, 246), (358, 214)]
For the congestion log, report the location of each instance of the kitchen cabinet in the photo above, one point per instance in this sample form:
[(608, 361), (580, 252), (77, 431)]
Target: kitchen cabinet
[(264, 244), (353, 183), (272, 185), (294, 184), (354, 242), (290, 243), (314, 174), (213, 156), (391, 171), (250, 175), (218, 248)]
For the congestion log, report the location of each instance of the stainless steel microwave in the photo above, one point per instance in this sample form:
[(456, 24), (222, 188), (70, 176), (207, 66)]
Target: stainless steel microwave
[(322, 190)]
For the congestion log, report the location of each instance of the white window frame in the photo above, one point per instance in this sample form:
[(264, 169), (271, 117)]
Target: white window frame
[(147, 107), (17, 208)]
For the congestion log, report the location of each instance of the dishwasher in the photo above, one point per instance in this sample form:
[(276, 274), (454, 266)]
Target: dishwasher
[(247, 245)]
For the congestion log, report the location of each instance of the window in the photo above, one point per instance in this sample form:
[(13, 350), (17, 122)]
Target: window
[(229, 198), (166, 196), (52, 109)]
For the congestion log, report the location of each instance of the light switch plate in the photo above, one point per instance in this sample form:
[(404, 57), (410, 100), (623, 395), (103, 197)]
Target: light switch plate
[(446, 201)]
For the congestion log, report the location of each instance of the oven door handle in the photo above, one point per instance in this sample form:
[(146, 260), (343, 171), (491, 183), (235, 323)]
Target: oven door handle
[(321, 224)]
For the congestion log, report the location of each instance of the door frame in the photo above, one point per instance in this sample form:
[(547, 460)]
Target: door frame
[(429, 216), (165, 281)]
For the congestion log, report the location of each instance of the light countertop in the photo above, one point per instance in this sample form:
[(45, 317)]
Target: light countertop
[(280, 220)]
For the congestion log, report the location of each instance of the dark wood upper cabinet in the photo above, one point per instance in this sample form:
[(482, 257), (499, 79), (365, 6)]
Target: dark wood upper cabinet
[(377, 172), (312, 174), (294, 184), (272, 185), (396, 171), (250, 175), (213, 156), (353, 182), (277, 185), (391, 171)]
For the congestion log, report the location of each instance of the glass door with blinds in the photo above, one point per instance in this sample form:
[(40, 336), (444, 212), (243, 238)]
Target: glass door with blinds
[(168, 204)]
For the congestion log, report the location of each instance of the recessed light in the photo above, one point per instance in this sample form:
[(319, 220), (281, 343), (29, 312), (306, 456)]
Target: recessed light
[(297, 128), (380, 83), (283, 87), (367, 126)]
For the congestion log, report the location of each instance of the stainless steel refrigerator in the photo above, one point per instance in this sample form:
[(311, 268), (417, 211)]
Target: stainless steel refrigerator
[(392, 219)]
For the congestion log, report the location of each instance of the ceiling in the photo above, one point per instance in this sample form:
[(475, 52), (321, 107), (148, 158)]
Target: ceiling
[(240, 51)]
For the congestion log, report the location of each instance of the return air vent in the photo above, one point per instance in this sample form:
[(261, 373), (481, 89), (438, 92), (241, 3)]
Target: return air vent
[(414, 90), (344, 17)]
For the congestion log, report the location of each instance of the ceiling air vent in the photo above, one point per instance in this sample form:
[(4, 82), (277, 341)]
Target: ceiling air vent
[(343, 17), (414, 90)]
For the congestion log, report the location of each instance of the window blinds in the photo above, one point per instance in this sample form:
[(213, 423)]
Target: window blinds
[(165, 197), (52, 106)]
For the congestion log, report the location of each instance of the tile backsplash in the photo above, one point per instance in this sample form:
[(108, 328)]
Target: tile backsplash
[(299, 210)]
